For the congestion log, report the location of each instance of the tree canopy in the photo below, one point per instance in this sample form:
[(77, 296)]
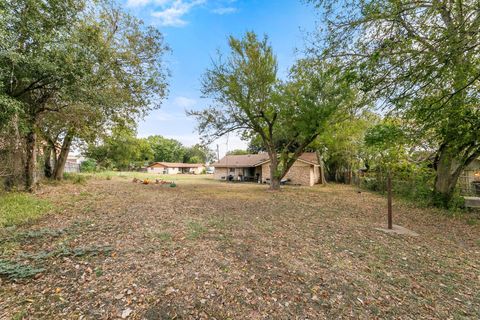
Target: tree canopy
[(72, 69), (419, 60), (248, 97)]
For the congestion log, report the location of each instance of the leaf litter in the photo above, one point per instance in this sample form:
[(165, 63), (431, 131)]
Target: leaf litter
[(229, 251)]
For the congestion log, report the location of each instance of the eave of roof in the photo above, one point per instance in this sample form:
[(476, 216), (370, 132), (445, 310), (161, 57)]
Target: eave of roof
[(224, 163), (298, 159)]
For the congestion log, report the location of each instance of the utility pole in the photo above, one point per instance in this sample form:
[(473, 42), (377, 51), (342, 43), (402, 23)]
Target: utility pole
[(389, 200), (218, 153)]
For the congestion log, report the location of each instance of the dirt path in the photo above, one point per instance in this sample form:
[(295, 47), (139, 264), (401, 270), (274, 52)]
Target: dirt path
[(235, 251)]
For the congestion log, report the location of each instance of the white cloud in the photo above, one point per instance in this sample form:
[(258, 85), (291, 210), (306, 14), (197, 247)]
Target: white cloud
[(172, 14), (184, 102), (224, 10)]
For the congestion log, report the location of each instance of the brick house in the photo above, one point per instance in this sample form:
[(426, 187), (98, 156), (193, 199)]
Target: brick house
[(175, 168), (256, 167)]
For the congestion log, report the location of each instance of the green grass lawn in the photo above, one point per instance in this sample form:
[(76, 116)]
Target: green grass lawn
[(17, 208)]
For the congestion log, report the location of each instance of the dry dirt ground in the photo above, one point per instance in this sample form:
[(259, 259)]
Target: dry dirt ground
[(212, 250)]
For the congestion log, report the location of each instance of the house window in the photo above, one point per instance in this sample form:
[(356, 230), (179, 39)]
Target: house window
[(232, 170)]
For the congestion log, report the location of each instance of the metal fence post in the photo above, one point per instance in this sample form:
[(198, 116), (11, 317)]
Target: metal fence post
[(389, 200)]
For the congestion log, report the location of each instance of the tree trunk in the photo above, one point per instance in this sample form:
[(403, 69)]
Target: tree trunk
[(47, 165), (448, 170), (31, 160), (322, 179), (15, 163), (62, 157), (274, 178)]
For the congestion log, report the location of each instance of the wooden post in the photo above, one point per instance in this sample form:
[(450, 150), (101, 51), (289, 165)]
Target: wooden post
[(389, 200)]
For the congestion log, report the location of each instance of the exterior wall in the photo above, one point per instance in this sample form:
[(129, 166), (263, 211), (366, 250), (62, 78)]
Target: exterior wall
[(172, 171), (155, 170), (237, 173), (195, 170), (219, 173), (162, 170), (265, 172), (258, 172), (475, 165), (316, 174), (300, 173), (198, 170)]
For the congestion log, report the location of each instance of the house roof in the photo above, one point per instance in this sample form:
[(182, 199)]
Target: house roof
[(240, 161), (176, 165), (254, 160)]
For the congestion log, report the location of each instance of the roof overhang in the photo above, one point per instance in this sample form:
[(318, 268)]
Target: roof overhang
[(298, 159)]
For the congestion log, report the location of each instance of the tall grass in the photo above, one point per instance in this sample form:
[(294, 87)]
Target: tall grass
[(17, 208)]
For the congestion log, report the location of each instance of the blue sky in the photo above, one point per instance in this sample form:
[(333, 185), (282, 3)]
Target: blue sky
[(195, 30)]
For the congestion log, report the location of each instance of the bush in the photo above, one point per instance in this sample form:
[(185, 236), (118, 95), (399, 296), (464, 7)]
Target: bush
[(88, 165), (409, 181)]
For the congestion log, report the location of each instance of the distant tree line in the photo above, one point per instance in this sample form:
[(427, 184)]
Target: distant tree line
[(122, 150)]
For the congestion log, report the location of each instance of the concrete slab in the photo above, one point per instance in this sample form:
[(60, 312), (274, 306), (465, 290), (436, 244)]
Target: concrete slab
[(398, 230), (472, 202)]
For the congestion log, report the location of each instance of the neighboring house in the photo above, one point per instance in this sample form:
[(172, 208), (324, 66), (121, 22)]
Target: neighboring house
[(469, 180), (72, 159), (175, 168), (72, 164), (256, 167)]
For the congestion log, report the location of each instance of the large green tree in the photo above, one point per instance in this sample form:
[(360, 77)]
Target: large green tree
[(121, 150), (33, 63), (198, 154), (420, 60), (342, 146), (249, 98), (86, 65), (168, 150)]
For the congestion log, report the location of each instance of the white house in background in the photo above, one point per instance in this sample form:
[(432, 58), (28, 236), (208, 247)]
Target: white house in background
[(175, 168), (73, 163), (73, 159)]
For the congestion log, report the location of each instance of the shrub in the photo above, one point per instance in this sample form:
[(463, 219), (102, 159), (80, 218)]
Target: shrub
[(88, 165), (412, 182)]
